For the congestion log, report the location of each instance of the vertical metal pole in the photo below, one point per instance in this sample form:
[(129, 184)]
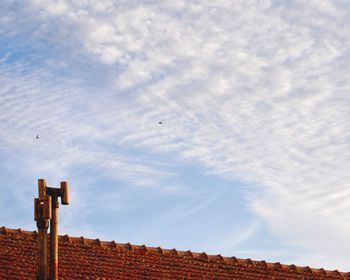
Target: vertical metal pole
[(42, 247), (45, 209), (42, 224), (54, 239)]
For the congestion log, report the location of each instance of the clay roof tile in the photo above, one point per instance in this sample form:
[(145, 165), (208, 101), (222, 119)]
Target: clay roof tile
[(110, 260), (127, 247), (200, 256), (173, 252), (159, 250), (234, 260), (307, 269), (277, 265), (66, 238), (112, 245), (261, 264), (82, 240), (186, 254), (293, 267), (97, 242), (141, 249), (320, 271), (3, 230), (245, 262), (336, 272), (250, 262), (216, 258)]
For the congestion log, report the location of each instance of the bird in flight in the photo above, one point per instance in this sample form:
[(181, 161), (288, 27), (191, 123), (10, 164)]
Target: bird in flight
[(37, 136), (160, 122)]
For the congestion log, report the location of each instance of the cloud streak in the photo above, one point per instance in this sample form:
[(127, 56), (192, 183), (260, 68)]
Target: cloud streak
[(255, 90)]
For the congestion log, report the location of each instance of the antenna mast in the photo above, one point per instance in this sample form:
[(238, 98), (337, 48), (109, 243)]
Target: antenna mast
[(45, 209)]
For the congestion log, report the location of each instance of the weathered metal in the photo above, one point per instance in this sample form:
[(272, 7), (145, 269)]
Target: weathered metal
[(42, 216), (65, 194), (45, 209), (54, 241)]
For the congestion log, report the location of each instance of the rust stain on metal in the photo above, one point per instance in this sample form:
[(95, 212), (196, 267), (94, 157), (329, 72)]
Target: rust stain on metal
[(45, 212)]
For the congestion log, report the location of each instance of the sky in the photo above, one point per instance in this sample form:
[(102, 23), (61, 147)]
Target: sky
[(216, 126)]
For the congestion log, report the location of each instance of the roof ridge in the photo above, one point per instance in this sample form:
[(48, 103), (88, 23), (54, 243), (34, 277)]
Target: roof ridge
[(262, 264)]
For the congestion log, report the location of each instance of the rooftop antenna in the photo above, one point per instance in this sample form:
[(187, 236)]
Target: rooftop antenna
[(42, 214), (45, 209)]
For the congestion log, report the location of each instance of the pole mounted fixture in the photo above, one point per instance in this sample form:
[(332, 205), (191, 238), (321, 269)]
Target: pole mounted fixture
[(45, 211)]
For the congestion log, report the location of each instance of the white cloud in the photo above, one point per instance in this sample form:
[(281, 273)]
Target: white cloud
[(36, 104), (254, 89)]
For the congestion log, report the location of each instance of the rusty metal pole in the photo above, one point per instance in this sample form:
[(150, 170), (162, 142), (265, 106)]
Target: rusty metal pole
[(45, 209), (54, 239), (55, 193), (42, 247), (42, 212)]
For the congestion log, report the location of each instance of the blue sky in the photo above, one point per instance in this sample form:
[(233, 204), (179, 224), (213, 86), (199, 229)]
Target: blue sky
[(251, 158)]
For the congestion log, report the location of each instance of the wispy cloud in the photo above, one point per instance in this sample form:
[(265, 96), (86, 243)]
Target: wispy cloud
[(255, 90)]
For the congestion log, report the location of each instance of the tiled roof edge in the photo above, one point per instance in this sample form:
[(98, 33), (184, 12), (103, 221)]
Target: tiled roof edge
[(183, 254)]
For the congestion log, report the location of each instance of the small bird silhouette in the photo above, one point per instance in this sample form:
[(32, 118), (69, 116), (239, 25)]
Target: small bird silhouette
[(37, 136), (160, 122)]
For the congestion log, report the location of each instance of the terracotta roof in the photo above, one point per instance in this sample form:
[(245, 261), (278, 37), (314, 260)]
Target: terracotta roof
[(82, 258)]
